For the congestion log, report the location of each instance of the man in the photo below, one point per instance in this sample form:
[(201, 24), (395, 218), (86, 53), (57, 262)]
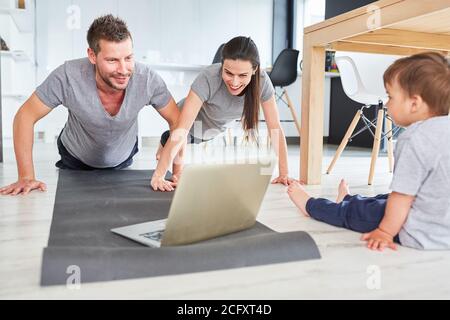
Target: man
[(103, 94)]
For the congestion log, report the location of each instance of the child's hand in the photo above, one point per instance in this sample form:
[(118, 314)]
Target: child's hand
[(378, 240)]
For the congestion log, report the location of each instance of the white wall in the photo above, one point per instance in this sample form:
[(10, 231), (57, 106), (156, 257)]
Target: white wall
[(164, 31)]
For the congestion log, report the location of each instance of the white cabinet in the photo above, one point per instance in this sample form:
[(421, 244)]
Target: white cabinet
[(22, 18), (17, 66)]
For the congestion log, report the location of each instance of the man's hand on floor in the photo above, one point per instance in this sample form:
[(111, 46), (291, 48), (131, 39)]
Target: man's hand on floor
[(23, 186)]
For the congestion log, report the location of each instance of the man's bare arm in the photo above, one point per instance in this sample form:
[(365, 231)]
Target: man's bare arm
[(23, 130)]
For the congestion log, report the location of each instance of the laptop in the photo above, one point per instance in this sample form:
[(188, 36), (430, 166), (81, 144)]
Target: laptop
[(210, 200)]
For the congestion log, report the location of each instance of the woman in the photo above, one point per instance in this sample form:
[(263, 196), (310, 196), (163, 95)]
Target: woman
[(222, 93)]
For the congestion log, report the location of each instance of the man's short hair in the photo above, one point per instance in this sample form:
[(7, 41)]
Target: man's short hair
[(425, 74), (107, 28)]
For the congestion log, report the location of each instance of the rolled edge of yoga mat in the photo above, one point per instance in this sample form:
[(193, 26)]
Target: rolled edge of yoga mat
[(78, 265)]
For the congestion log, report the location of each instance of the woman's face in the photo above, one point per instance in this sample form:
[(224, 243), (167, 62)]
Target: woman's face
[(237, 74)]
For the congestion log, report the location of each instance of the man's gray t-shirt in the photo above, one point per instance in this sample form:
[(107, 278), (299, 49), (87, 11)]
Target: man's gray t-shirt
[(91, 134), (220, 107), (422, 169)]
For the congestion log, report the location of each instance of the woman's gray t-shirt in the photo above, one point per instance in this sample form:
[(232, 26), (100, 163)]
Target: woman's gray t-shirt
[(91, 134), (219, 106)]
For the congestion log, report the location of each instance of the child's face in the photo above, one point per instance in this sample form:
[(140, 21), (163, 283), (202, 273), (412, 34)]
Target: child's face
[(399, 105)]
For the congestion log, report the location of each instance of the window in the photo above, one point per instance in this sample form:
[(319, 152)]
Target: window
[(307, 12)]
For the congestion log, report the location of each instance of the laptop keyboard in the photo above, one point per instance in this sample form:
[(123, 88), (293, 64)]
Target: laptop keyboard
[(154, 235)]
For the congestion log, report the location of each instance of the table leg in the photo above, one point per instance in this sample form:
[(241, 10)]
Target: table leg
[(390, 145), (376, 145), (311, 141)]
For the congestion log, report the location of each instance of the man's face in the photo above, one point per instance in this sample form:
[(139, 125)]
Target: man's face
[(114, 63)]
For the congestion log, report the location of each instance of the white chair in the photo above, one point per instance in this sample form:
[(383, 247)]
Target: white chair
[(362, 80)]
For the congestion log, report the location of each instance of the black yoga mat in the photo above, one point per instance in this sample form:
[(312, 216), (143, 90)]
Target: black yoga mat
[(90, 203)]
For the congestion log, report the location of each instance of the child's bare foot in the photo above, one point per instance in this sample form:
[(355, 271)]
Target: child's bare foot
[(299, 196), (343, 190)]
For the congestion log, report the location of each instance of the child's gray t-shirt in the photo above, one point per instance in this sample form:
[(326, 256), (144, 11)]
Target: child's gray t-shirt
[(219, 106), (422, 169), (91, 134)]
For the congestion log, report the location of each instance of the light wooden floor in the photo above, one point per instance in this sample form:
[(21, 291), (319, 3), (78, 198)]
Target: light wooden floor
[(347, 269)]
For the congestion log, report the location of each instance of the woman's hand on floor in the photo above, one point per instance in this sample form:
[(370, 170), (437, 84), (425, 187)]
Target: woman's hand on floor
[(175, 178), (378, 240), (283, 179), (23, 186), (161, 184), (159, 151)]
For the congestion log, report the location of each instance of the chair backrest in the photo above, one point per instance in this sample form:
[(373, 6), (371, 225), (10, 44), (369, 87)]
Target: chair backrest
[(362, 75), (284, 70), (218, 55)]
